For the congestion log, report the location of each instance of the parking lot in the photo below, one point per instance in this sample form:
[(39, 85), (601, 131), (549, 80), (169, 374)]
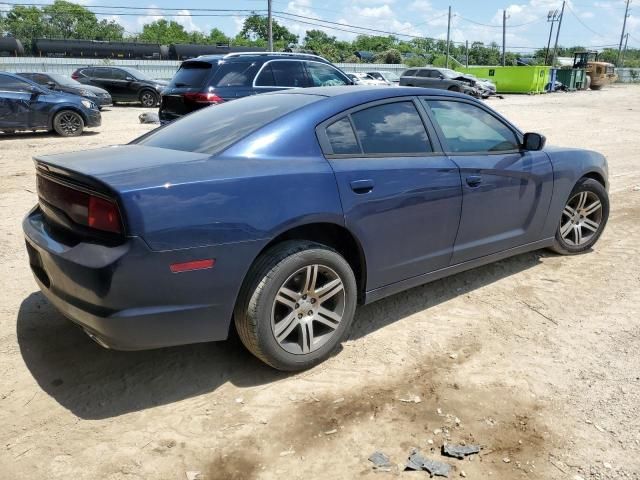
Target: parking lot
[(535, 358)]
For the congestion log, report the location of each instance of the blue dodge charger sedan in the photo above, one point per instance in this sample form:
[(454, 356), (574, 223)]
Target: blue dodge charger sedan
[(280, 212)]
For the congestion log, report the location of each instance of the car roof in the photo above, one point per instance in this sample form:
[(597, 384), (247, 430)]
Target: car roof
[(366, 93), (254, 56)]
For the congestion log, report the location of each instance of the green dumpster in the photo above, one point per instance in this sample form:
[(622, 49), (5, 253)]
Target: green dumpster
[(524, 79), (572, 78)]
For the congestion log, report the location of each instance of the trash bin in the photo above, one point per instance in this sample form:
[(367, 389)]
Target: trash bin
[(571, 78)]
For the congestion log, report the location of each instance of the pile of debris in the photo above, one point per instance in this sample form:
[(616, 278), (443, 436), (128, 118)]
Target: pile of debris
[(418, 462)]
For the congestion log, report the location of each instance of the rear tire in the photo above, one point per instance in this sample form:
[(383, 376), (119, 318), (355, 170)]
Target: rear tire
[(583, 218), (148, 98), (68, 123), (296, 305)]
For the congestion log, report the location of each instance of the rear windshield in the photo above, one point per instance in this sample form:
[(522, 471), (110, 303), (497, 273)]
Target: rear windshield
[(191, 74), (217, 127)]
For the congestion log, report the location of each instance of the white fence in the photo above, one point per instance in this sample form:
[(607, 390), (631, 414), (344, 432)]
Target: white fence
[(164, 69), (628, 75), (161, 69)]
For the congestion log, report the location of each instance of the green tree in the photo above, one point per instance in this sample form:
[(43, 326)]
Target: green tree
[(255, 27), (218, 36), (25, 23), (164, 32), (392, 55)]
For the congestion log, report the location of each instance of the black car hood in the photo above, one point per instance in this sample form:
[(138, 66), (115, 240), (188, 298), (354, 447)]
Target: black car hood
[(91, 88)]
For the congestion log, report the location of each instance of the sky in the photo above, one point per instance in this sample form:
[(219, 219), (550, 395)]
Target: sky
[(588, 23)]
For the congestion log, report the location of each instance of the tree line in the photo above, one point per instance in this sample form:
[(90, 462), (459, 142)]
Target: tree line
[(68, 20)]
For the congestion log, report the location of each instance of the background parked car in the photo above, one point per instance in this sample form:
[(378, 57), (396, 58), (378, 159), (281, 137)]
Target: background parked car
[(432, 77), (25, 105), (213, 79), (62, 83), (124, 84), (361, 78), (391, 78)]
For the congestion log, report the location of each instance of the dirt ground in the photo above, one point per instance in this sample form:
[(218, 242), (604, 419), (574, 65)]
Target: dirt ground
[(535, 358)]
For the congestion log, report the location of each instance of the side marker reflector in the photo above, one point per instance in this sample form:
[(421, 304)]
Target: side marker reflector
[(190, 266)]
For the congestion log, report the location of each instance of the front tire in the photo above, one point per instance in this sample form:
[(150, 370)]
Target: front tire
[(148, 98), (296, 305), (583, 218), (68, 123)]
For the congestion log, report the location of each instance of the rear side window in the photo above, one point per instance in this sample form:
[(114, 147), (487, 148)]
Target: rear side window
[(235, 74), (282, 74), (191, 74), (341, 137), (424, 73), (213, 129), (391, 128), (117, 74)]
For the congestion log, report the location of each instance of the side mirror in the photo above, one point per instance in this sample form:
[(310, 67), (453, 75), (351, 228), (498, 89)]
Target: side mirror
[(35, 91), (533, 141), (441, 77), (129, 79), (51, 85)]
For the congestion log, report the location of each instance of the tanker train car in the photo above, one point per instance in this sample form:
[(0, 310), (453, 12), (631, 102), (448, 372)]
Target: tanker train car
[(11, 47), (44, 47)]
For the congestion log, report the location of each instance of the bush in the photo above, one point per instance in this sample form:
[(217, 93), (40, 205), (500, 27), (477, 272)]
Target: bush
[(389, 56)]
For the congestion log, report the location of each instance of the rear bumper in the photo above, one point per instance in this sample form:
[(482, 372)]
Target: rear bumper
[(125, 296)]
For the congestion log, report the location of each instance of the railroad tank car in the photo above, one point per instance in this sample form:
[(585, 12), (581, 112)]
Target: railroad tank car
[(44, 47), (11, 47)]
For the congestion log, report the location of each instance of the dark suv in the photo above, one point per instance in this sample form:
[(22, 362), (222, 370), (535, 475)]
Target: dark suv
[(123, 83), (212, 79)]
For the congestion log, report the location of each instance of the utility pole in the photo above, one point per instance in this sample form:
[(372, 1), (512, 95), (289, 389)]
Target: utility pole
[(270, 26), (504, 37), (466, 52), (448, 35), (555, 47), (624, 50), (624, 26), (552, 17)]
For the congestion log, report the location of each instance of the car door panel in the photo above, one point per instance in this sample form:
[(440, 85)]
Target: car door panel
[(506, 190), (505, 205), (406, 210), (15, 103), (404, 207)]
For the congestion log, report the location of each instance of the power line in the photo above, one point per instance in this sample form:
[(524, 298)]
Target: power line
[(537, 20), (582, 23)]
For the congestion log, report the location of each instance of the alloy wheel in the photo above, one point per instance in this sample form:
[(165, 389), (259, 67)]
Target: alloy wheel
[(308, 309), (70, 123), (581, 218), (148, 99)]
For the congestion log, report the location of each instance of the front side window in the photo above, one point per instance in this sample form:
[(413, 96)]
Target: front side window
[(102, 73), (424, 73), (324, 75), (10, 84), (391, 128), (468, 128), (341, 137), (117, 74)]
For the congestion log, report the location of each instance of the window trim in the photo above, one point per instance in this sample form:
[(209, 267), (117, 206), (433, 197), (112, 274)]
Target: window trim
[(327, 149), (425, 99)]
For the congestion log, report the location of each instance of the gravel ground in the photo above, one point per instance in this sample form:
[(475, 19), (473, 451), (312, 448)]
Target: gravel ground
[(534, 358)]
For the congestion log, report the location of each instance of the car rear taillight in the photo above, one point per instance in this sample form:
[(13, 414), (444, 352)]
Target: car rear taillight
[(82, 207), (203, 97), (75, 75)]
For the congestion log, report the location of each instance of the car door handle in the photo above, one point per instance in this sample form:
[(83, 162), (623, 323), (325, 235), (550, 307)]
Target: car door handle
[(474, 180), (362, 186)]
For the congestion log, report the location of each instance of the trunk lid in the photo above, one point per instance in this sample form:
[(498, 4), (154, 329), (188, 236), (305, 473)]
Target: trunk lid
[(122, 168)]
